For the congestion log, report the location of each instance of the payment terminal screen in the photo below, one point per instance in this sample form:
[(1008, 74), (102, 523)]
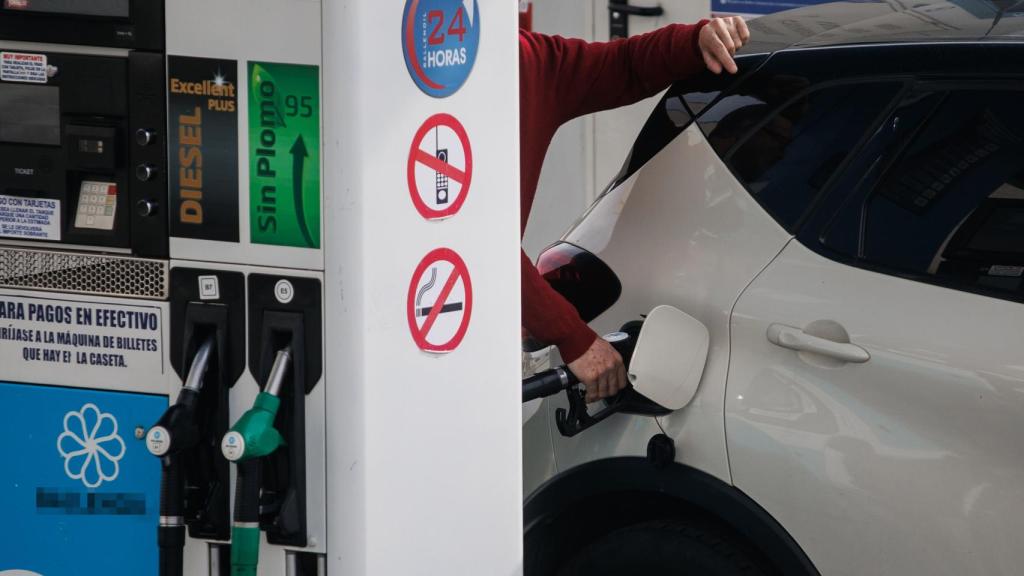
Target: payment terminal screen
[(109, 8), (29, 114)]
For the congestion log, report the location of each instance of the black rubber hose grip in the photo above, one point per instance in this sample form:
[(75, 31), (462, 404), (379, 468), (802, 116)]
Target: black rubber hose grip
[(548, 383), (247, 492), (172, 488), (171, 541)]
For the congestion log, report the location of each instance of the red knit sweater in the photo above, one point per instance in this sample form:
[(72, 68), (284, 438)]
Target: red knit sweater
[(561, 79)]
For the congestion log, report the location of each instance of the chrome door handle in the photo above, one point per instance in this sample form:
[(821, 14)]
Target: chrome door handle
[(796, 339)]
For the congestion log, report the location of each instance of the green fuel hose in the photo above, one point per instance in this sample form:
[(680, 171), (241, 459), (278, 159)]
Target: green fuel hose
[(250, 439)]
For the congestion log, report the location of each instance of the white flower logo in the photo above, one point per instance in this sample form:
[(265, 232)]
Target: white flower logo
[(90, 446)]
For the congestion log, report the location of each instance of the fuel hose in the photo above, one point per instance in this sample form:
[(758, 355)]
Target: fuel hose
[(250, 439), (174, 434)]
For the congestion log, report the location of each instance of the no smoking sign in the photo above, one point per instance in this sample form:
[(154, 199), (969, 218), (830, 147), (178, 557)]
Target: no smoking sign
[(440, 302), (440, 167)]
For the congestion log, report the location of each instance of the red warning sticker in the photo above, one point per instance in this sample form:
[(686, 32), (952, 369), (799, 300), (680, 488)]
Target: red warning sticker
[(440, 167), (440, 302)]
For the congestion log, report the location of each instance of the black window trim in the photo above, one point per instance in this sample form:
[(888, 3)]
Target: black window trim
[(811, 237)]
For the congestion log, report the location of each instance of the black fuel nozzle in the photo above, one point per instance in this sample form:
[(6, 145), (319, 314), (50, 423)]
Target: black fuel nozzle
[(577, 417), (554, 381), (175, 433)]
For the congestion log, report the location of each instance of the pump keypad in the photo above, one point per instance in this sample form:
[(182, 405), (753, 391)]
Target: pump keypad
[(97, 205)]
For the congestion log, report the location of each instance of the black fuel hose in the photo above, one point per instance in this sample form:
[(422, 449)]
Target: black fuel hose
[(548, 383), (170, 438), (171, 531)]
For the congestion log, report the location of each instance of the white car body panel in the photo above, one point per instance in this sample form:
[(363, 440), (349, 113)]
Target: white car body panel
[(682, 232), (910, 463)]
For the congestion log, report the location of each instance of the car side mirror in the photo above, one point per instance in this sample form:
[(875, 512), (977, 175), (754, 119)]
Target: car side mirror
[(669, 359)]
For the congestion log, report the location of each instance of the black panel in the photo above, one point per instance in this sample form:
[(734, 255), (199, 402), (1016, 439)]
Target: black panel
[(185, 290), (273, 325), (148, 202), (94, 155), (192, 321), (204, 148), (93, 107), (143, 29), (305, 302)]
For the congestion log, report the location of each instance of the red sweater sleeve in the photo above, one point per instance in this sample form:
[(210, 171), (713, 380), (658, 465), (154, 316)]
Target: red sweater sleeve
[(565, 78), (594, 76)]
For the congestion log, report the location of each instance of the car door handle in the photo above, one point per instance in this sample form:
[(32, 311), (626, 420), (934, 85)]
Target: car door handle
[(796, 339)]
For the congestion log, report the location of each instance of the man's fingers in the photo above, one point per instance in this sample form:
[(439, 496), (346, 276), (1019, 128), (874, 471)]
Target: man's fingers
[(741, 27), (591, 392), (721, 54), (734, 33), (711, 63), (605, 389), (725, 36)]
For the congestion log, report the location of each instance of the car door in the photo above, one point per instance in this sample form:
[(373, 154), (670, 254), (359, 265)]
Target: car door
[(876, 385)]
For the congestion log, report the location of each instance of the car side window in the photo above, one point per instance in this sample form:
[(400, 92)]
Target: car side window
[(785, 143), (948, 206)]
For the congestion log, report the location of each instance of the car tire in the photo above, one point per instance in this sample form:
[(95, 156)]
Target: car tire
[(667, 547)]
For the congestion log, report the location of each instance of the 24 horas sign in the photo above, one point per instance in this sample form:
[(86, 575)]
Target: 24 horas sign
[(440, 39)]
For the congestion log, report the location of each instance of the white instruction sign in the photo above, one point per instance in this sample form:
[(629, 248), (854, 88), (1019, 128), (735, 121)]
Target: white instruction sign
[(70, 337), (23, 67), (29, 218)]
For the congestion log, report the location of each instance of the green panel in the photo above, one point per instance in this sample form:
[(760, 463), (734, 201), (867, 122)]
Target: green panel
[(284, 154)]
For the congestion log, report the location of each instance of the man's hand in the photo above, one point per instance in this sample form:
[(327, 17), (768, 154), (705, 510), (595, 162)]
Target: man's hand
[(601, 369), (719, 41)]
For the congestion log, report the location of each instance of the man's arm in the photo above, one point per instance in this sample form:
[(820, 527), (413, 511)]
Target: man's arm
[(550, 318), (579, 78), (592, 76)]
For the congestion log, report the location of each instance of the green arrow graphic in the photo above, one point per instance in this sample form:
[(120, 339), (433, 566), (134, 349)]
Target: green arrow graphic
[(299, 155)]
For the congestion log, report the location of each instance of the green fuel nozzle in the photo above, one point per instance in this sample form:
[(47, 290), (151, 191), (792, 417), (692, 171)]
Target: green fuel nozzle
[(254, 435), (251, 438)]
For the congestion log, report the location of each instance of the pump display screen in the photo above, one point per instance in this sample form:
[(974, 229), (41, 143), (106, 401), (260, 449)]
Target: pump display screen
[(109, 8), (30, 114)]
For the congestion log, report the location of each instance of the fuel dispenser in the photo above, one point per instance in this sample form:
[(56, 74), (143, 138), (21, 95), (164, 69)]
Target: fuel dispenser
[(170, 288)]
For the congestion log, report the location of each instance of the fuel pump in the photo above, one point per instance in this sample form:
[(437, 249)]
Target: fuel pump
[(250, 439), (174, 434)]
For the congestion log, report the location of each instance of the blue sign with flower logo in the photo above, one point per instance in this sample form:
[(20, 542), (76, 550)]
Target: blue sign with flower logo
[(440, 39), (79, 486)]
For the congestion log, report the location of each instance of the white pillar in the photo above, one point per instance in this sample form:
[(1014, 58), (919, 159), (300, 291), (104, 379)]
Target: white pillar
[(423, 449)]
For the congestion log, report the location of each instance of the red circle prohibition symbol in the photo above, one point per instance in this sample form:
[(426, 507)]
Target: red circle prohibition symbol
[(417, 156), (420, 285)]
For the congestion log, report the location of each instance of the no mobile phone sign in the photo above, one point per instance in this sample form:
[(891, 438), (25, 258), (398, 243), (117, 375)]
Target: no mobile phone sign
[(440, 167), (440, 302)]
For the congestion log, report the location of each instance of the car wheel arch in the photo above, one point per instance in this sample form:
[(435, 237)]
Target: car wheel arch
[(581, 504)]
